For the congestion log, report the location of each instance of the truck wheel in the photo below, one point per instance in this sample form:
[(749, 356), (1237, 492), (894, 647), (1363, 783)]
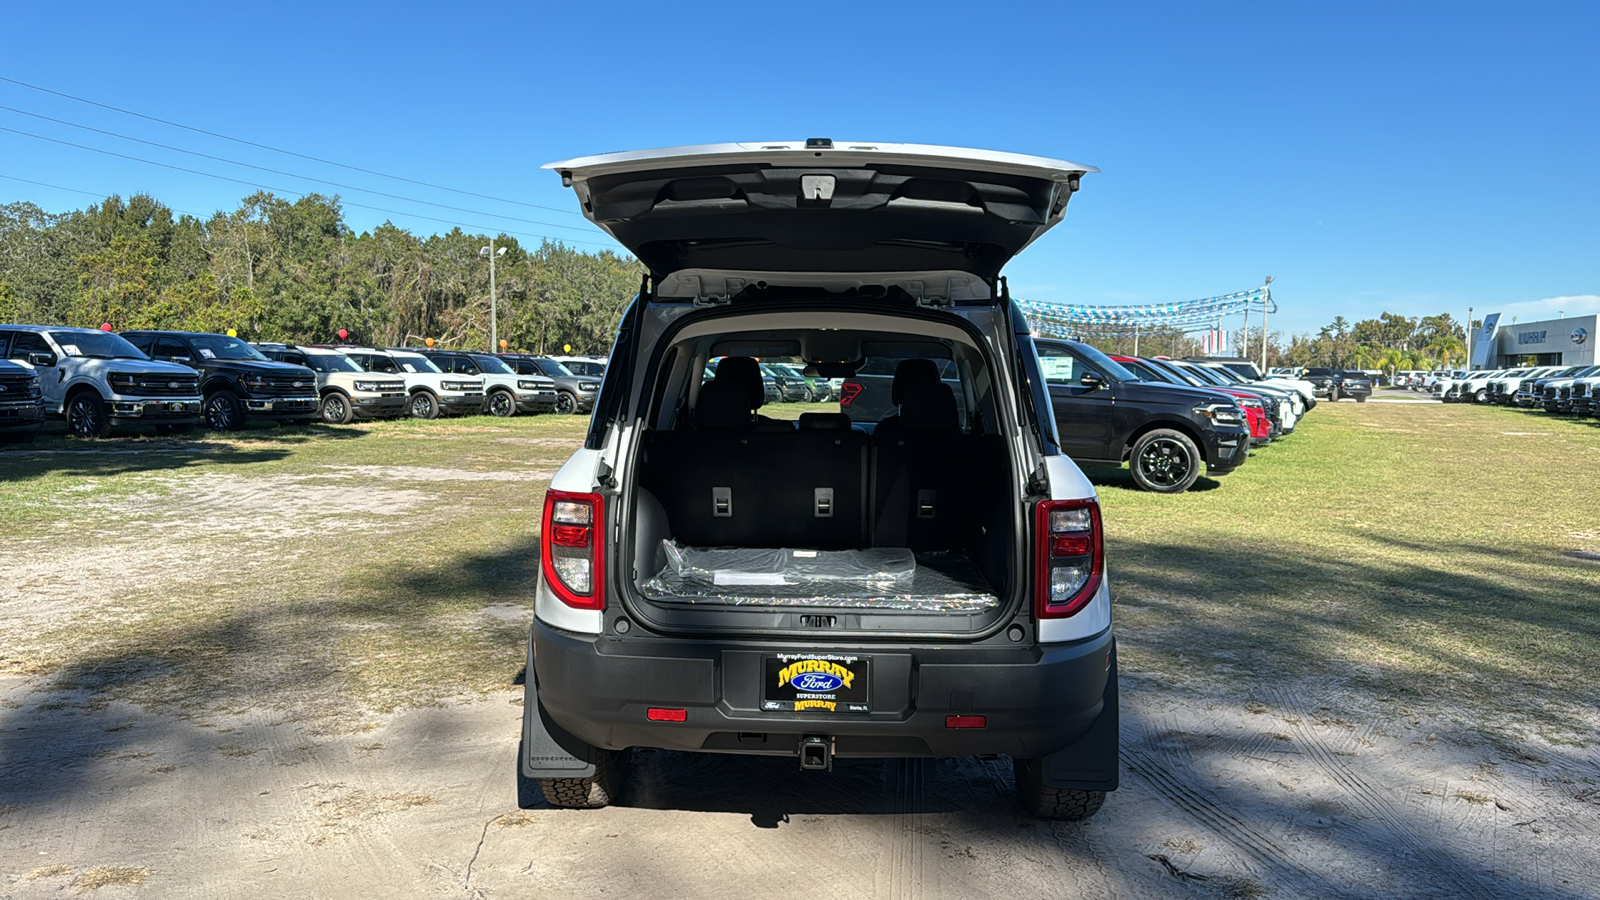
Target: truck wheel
[(1062, 804), (1164, 461), (566, 404), (336, 409), (222, 411), (1482, 396), (424, 405), (1361, 399), (502, 404), (86, 416), (599, 789)]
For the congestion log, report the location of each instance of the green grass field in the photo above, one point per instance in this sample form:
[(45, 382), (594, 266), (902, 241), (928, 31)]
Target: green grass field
[(1435, 557)]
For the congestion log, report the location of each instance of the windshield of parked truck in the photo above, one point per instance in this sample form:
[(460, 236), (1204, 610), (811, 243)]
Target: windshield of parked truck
[(417, 364), (331, 362), (220, 346), (96, 345), (492, 365)]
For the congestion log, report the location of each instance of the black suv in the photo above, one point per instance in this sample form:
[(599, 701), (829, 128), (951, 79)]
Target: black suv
[(237, 381), (1349, 384), (21, 403), (1106, 415)]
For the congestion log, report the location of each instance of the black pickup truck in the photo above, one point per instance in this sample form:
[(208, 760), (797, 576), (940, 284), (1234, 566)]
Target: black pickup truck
[(238, 383), (1107, 415)]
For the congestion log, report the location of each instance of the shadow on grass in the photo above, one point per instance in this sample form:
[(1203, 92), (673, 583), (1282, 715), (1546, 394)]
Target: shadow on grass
[(120, 454), (1122, 479)]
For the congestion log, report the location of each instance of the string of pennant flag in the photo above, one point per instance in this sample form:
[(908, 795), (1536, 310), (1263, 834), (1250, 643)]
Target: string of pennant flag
[(1067, 319)]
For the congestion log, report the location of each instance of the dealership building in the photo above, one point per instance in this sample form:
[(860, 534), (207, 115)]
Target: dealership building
[(1553, 342)]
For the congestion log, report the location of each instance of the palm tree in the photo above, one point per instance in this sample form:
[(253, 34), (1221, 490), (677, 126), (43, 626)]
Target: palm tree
[(1362, 357), (1448, 347), (1392, 361)]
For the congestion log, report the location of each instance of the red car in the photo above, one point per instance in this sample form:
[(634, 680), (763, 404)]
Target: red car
[(1255, 414)]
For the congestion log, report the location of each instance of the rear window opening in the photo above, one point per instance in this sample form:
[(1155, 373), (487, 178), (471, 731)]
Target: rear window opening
[(895, 509)]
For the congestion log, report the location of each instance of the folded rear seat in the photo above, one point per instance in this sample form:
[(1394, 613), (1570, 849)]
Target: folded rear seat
[(734, 482)]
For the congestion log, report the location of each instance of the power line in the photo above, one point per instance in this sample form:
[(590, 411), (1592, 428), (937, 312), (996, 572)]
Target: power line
[(326, 162), (278, 190), (99, 194), (348, 187)]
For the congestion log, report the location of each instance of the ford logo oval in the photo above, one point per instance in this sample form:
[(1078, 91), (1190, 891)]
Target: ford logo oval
[(173, 385), (1579, 335), (817, 682)]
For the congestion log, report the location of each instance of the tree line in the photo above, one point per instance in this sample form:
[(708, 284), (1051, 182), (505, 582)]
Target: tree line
[(281, 270)]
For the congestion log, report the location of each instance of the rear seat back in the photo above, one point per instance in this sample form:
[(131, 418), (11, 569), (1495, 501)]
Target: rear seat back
[(927, 476), (804, 489)]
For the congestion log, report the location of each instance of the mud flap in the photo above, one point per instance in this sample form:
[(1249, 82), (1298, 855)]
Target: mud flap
[(1091, 762), (548, 751)]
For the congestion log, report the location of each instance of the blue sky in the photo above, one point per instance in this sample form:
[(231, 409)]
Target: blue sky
[(1408, 157)]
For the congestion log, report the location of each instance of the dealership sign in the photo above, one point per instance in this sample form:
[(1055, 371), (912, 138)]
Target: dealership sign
[(1579, 335), (1530, 337)]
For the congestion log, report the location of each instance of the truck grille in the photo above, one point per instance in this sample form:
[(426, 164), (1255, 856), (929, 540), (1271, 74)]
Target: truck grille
[(18, 387), (1580, 390), (156, 385), (282, 385)]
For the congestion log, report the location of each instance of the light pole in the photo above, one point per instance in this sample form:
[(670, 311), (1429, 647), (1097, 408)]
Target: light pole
[(1266, 301), (490, 253), (1468, 331)]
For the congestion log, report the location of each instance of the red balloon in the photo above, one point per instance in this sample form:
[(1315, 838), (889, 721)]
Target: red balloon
[(105, 326), (343, 334)]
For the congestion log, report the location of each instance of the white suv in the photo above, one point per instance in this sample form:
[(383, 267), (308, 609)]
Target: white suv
[(930, 583), (431, 391), (345, 390)]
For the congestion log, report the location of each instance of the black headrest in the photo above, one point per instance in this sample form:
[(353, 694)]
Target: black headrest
[(929, 407), (912, 371), (824, 421), (722, 406), (743, 370)]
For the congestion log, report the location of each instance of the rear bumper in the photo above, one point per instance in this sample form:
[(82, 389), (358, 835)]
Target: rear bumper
[(1036, 699)]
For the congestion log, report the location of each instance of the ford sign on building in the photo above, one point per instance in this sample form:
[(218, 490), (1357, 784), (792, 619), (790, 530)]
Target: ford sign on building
[(1552, 342)]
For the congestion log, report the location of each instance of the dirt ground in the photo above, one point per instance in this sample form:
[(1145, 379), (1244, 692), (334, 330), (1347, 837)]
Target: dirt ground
[(1309, 788)]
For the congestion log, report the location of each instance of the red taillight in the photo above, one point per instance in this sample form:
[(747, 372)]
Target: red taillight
[(1070, 556), (573, 562), (657, 714), (965, 721), (848, 392)]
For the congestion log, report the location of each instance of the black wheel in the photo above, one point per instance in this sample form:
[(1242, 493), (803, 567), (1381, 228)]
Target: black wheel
[(222, 412), (336, 409), (610, 774), (1164, 461), (566, 404), (1062, 804), (424, 405), (501, 404), (169, 430), (86, 416), (1361, 399)]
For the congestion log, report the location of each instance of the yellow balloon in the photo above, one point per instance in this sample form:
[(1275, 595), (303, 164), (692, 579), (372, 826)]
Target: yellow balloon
[(232, 333), (566, 348)]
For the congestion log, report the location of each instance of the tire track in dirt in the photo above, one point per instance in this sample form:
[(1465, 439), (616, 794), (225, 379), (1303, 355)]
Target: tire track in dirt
[(1149, 758), (906, 858), (1375, 803)]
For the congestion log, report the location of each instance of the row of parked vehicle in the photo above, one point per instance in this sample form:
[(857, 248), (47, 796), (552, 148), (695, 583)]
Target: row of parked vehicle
[(1568, 390), (173, 380)]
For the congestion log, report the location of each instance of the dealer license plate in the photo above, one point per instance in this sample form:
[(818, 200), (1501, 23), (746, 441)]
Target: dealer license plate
[(816, 682)]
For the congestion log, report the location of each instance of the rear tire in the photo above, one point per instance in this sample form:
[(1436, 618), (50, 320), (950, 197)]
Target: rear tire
[(1361, 399), (1059, 804), (1164, 461), (594, 792), (337, 409), (424, 405)]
